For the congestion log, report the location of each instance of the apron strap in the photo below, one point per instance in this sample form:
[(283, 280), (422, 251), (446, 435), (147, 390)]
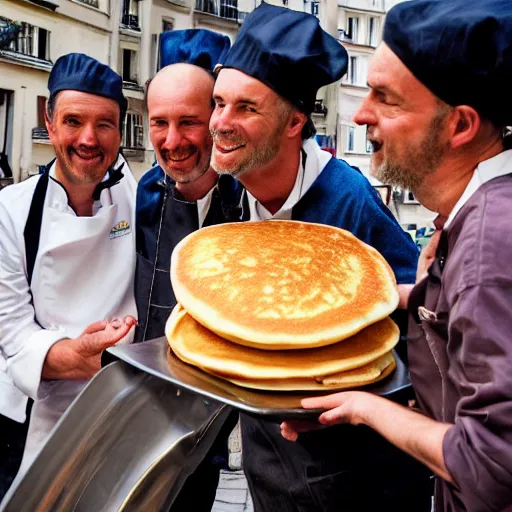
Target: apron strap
[(32, 232)]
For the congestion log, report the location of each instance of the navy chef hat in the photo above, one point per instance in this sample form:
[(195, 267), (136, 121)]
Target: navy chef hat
[(199, 47), (459, 49), (79, 72), (288, 51)]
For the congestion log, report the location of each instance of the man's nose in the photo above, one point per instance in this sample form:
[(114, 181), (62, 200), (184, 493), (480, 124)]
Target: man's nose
[(173, 138), (365, 114), (222, 119), (88, 136)]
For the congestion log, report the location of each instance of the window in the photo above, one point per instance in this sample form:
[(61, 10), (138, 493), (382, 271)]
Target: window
[(167, 24), (229, 9), (130, 16), (130, 63), (224, 8), (94, 3), (372, 31), (369, 147), (350, 138), (133, 131), (39, 131), (33, 41), (352, 28), (352, 70)]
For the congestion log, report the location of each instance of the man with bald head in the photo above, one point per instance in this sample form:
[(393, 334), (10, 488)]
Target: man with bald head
[(176, 197)]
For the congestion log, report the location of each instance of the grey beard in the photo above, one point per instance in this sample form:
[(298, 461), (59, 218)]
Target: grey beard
[(398, 176), (418, 163), (257, 159)]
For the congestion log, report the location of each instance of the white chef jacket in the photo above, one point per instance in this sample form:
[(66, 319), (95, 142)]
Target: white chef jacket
[(308, 172), (83, 273)]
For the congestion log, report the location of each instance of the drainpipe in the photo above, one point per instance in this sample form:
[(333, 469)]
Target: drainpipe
[(26, 145)]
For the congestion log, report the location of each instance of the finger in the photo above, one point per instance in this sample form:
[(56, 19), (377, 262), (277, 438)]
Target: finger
[(130, 320), (117, 331), (323, 402), (334, 416), (95, 327), (288, 432), (95, 343)]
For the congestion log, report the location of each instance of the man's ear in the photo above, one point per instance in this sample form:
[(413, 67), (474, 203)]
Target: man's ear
[(295, 123), (465, 125), (47, 122)]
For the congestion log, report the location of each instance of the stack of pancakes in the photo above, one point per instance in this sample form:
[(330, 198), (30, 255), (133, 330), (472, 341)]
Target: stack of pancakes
[(283, 305)]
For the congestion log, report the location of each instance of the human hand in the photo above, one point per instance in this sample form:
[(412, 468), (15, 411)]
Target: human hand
[(427, 256), (80, 358), (404, 290), (344, 407)]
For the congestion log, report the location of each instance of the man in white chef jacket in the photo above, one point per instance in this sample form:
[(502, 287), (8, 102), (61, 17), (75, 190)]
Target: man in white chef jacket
[(67, 252)]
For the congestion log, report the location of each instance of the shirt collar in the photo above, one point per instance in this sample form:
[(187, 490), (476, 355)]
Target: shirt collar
[(315, 162), (494, 167)]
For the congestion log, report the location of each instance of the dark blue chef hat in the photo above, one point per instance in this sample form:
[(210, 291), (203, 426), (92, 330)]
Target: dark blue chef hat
[(288, 51), (200, 47), (79, 72), (459, 49)]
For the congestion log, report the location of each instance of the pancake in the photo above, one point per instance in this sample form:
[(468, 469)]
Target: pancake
[(282, 284), (196, 345), (364, 376)]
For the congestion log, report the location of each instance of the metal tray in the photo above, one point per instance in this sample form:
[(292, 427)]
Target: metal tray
[(152, 357), (126, 444)]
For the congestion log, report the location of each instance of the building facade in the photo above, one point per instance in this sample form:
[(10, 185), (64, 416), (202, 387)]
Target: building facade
[(123, 34), (360, 24)]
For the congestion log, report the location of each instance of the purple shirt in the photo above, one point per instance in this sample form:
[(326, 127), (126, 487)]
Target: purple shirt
[(460, 353)]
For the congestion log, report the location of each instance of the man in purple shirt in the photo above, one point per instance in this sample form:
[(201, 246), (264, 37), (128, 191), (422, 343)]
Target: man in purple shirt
[(436, 113)]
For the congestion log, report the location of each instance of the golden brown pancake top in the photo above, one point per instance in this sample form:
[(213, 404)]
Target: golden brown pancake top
[(283, 284)]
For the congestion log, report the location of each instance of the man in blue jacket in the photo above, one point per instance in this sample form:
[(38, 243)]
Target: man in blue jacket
[(262, 134)]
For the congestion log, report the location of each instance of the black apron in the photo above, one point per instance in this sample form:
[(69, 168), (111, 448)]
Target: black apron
[(175, 219)]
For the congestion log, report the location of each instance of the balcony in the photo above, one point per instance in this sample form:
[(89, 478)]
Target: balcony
[(226, 9), (130, 21), (320, 109)]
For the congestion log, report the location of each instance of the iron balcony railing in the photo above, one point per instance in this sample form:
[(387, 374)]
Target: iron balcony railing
[(227, 9)]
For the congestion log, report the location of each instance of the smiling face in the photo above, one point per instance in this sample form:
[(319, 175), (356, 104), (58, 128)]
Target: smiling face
[(84, 131), (406, 123), (179, 108), (247, 123)]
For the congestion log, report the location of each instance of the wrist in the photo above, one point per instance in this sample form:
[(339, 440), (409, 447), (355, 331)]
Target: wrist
[(366, 407), (60, 359)]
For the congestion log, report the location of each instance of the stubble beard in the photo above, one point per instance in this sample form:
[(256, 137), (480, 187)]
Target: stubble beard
[(417, 163), (77, 174), (260, 156)]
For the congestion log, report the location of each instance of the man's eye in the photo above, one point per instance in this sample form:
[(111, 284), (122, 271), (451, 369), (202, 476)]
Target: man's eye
[(72, 122), (159, 122), (218, 104), (188, 123), (248, 108)]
